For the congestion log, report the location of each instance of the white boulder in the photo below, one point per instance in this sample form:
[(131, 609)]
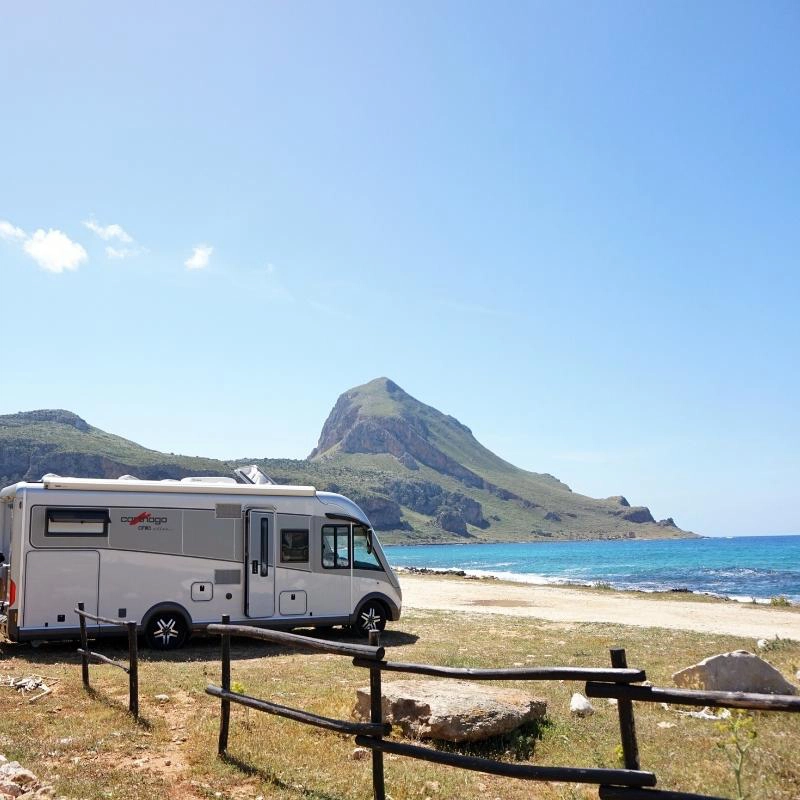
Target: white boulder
[(738, 671)]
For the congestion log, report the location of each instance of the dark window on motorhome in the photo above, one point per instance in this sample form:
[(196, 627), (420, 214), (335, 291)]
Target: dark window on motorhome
[(77, 522), (336, 546), (363, 555), (294, 546)]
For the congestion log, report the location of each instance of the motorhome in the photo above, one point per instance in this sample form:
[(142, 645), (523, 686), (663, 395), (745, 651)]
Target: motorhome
[(176, 555)]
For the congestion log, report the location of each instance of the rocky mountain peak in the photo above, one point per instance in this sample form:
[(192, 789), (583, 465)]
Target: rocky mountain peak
[(58, 415)]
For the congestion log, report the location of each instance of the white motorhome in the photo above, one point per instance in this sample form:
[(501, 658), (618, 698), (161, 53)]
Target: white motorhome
[(177, 555)]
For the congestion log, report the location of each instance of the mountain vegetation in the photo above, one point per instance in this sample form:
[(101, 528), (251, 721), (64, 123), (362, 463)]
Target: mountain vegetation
[(420, 475)]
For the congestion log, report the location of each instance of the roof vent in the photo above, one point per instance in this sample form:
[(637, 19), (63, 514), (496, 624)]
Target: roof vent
[(253, 475)]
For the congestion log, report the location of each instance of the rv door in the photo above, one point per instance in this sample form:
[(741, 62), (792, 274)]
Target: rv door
[(260, 565)]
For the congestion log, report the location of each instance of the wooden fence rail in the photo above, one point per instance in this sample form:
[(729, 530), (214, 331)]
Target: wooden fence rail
[(132, 669)]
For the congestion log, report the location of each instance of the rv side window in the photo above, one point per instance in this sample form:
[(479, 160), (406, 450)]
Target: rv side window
[(294, 546), (77, 522), (336, 546), (363, 555)]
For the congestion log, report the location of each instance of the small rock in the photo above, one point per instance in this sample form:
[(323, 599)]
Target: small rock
[(432, 786), (612, 701), (24, 777), (360, 753), (666, 724), (707, 714), (10, 789), (579, 706), (762, 644), (162, 698)]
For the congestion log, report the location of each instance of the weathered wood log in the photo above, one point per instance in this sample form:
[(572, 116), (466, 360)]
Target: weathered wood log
[(307, 642), (103, 659), (514, 673), (376, 718), (84, 648), (337, 725), (696, 697), (624, 793), (80, 612), (133, 670), (225, 706), (627, 726), (621, 777)]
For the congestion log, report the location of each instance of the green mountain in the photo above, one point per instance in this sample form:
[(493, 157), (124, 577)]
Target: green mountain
[(420, 475)]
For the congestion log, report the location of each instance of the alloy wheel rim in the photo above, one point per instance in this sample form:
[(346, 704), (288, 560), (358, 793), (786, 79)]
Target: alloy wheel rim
[(370, 619), (166, 631)]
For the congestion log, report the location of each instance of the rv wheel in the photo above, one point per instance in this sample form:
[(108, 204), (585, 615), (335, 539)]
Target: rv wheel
[(166, 630), (371, 617)]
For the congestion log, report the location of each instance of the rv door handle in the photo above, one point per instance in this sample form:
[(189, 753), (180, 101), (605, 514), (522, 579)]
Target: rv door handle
[(254, 567)]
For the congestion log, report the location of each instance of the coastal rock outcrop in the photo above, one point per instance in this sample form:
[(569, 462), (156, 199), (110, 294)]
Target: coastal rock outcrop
[(426, 497), (456, 711), (450, 520), (383, 512), (620, 500), (738, 671)]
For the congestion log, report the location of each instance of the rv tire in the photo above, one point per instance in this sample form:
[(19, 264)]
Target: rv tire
[(166, 629), (371, 616)]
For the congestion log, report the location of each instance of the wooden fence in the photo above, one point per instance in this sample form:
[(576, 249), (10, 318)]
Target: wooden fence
[(133, 655), (617, 681)]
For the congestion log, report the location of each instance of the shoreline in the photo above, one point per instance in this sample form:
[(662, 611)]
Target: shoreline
[(520, 579), (568, 605), (549, 540)]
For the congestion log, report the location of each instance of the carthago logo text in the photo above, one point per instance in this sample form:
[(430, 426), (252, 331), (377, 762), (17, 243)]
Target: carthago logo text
[(145, 521)]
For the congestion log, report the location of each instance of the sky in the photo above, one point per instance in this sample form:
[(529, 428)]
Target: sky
[(573, 226)]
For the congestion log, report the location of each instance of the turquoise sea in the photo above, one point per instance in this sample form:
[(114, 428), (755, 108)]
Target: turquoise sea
[(741, 568)]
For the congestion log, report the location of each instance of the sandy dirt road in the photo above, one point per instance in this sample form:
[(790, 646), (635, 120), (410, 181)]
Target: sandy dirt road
[(564, 604)]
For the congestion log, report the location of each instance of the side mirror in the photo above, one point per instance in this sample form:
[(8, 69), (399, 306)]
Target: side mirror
[(369, 540)]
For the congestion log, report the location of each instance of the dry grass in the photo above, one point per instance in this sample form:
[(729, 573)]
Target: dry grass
[(90, 748)]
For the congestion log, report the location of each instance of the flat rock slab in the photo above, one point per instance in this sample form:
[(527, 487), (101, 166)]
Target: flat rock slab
[(456, 711), (738, 671)]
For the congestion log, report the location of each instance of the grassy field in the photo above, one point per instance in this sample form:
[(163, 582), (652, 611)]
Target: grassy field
[(88, 747)]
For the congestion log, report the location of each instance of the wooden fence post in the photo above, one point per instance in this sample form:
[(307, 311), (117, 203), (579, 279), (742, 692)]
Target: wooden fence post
[(133, 671), (627, 726), (376, 716), (225, 705), (84, 648)]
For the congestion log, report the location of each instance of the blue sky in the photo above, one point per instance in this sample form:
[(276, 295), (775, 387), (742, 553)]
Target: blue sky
[(574, 226)]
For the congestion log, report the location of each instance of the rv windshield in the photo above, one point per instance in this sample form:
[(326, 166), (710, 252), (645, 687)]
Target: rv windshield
[(364, 556)]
